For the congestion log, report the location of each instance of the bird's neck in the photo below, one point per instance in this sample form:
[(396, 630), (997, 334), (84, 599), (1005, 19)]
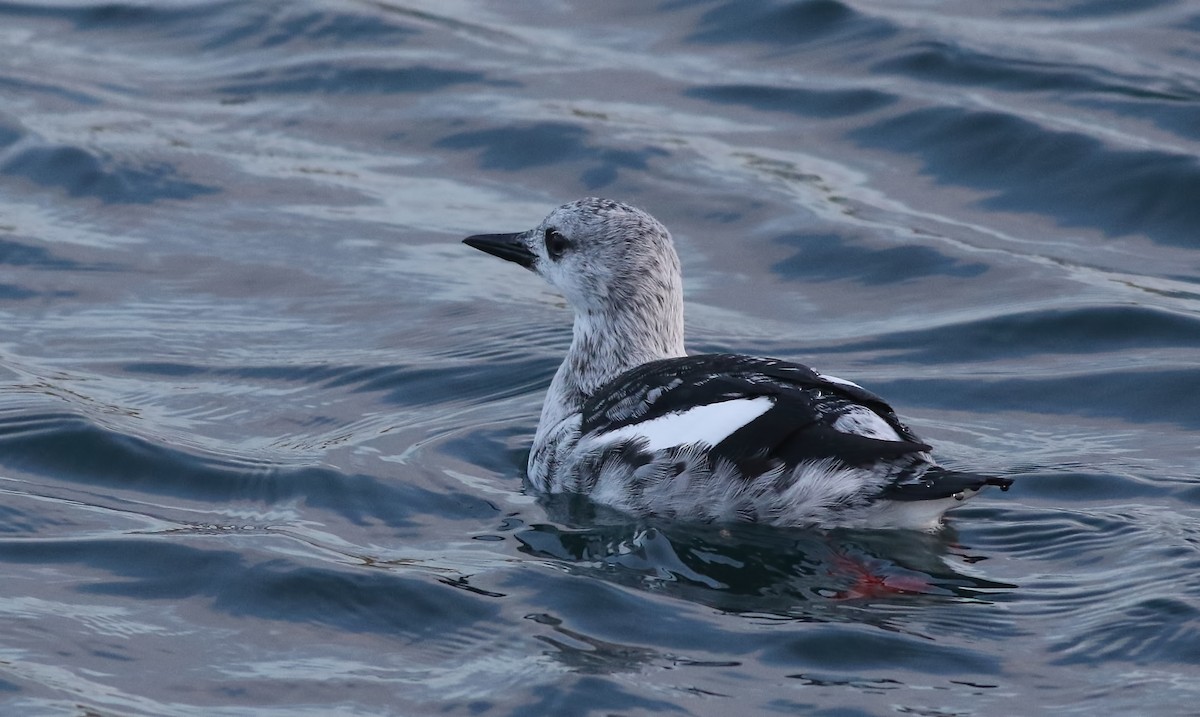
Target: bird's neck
[(606, 344)]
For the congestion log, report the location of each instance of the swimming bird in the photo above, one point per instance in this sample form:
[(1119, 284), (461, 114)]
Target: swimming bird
[(634, 422)]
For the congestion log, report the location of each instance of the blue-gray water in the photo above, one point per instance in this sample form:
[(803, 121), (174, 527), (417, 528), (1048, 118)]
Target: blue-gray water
[(263, 417)]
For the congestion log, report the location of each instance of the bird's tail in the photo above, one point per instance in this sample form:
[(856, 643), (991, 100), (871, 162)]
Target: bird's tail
[(937, 482)]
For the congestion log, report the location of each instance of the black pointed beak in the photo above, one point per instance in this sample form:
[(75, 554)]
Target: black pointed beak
[(506, 246)]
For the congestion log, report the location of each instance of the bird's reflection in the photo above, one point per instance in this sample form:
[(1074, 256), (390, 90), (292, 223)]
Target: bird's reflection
[(761, 571)]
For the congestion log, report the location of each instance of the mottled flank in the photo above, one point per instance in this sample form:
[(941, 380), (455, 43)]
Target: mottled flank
[(635, 423)]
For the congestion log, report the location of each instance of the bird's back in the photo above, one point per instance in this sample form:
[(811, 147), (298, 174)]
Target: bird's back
[(727, 437)]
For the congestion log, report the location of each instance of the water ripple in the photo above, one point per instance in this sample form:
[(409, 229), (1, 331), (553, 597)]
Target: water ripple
[(1093, 330), (788, 23), (69, 448), (85, 173), (1073, 177)]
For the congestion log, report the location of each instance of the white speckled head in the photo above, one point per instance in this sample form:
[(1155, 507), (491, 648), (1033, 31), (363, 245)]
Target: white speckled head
[(605, 256), (617, 267), (615, 264)]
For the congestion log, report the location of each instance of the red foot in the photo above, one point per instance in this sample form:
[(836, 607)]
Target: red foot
[(868, 584)]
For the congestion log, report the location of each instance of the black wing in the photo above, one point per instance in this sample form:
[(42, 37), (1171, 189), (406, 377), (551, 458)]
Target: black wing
[(799, 426)]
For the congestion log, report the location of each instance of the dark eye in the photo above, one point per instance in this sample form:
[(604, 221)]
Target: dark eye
[(556, 243)]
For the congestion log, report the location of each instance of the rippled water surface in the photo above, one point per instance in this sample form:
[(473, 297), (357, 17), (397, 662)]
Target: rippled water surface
[(263, 418)]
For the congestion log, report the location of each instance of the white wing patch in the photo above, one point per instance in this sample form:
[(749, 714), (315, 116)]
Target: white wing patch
[(708, 424), (835, 379), (862, 421)]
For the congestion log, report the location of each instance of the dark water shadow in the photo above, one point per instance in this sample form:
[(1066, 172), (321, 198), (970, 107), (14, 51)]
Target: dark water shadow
[(273, 25), (92, 173), (222, 25), (803, 102), (1144, 396), (29, 255), (1071, 177), (788, 24), (522, 147), (828, 257), (1083, 9), (956, 64), (338, 78), (15, 253), (1093, 330), (110, 15)]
